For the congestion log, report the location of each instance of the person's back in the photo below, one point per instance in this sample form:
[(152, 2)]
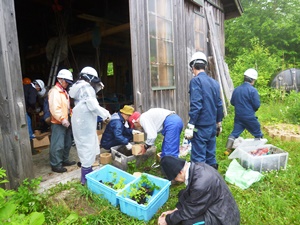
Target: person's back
[(207, 98), (208, 188), (206, 198), (245, 100), (30, 94)]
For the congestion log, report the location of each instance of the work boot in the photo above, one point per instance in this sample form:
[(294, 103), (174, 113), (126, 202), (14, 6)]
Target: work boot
[(85, 171), (68, 163), (229, 145), (59, 169), (216, 166), (228, 152)]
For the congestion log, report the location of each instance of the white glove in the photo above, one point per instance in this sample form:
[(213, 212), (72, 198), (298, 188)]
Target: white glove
[(65, 123), (129, 146), (189, 131), (136, 132), (190, 126)]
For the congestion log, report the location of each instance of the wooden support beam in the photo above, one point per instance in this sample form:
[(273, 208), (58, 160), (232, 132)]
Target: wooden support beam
[(85, 37)]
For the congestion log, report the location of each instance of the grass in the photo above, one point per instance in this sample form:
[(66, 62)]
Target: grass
[(273, 200)]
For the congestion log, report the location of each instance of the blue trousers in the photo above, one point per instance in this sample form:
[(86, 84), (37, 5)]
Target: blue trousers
[(171, 131), (30, 131), (204, 145), (60, 145), (250, 124)]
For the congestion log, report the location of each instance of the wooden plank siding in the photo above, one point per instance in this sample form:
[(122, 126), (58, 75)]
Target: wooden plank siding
[(15, 153), (184, 13)]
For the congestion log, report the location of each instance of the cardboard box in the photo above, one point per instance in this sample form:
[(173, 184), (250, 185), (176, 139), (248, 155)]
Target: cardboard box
[(38, 143), (136, 149), (139, 137)]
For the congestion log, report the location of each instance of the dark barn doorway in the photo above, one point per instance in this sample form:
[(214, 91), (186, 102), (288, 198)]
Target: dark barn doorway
[(72, 34)]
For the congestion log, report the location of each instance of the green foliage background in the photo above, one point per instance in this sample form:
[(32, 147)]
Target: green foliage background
[(273, 23)]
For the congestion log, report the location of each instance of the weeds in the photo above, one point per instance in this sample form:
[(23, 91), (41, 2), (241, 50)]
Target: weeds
[(273, 200)]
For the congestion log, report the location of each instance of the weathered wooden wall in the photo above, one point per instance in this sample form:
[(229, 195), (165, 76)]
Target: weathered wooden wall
[(184, 14), (15, 153)]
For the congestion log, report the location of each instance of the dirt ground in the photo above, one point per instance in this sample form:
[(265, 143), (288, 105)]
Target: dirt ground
[(41, 164), (42, 168)]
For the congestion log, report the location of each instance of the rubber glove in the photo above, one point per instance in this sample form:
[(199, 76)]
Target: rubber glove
[(136, 132), (65, 123), (189, 131), (129, 146)]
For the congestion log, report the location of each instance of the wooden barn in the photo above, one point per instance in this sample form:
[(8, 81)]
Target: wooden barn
[(141, 49)]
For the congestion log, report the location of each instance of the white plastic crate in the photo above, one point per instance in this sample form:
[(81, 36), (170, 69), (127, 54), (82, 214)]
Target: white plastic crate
[(276, 159)]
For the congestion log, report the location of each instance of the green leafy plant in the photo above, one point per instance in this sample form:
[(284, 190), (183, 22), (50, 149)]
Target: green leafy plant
[(131, 166), (114, 184), (27, 198), (9, 213), (141, 191)]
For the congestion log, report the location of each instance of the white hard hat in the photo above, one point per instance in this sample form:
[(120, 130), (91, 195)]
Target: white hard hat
[(90, 71), (42, 92), (40, 83), (65, 74), (198, 57), (252, 73), (90, 74)]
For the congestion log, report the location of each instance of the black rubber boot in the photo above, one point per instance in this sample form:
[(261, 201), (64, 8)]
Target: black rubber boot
[(216, 166)]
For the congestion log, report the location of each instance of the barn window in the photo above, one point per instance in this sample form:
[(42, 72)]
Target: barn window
[(161, 44), (110, 69), (199, 25)]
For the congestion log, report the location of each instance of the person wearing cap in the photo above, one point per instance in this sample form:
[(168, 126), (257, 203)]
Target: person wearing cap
[(159, 120), (206, 112), (206, 198), (84, 118), (117, 131), (61, 135), (31, 92), (246, 102)]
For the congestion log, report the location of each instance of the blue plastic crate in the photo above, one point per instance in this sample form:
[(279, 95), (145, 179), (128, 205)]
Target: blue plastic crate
[(145, 212), (105, 174)]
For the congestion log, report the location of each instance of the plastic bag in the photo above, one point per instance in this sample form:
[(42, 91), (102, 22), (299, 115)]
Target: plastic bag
[(240, 176)]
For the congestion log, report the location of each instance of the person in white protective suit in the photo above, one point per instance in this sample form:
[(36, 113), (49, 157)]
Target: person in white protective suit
[(84, 118)]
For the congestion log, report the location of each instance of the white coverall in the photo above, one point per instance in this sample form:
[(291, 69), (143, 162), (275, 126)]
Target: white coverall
[(84, 121)]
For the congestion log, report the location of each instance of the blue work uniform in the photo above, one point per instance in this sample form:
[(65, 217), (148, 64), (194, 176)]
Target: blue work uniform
[(206, 110), (116, 133), (30, 94), (246, 102)]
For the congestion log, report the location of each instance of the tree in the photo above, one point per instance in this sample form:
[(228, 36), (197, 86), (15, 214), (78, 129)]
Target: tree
[(275, 24)]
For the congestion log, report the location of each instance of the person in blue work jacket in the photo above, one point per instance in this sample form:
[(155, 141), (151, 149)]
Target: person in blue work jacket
[(246, 102), (117, 131), (206, 112)]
